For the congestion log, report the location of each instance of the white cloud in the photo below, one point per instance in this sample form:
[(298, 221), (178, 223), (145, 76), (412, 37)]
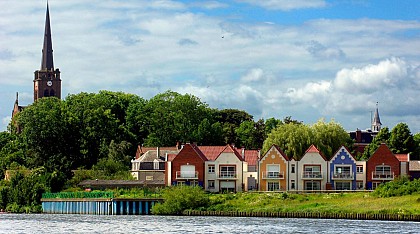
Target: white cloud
[(6, 120), (210, 5), (392, 82), (386, 74), (320, 67), (286, 5), (253, 75)]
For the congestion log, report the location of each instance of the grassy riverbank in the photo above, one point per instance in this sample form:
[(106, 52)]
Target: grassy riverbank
[(363, 203), (400, 197)]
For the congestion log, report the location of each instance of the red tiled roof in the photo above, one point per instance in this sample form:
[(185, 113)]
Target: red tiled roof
[(230, 149), (211, 152), (313, 149), (402, 157), (251, 156)]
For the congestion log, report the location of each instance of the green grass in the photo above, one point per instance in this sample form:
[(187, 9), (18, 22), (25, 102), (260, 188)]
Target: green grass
[(364, 203)]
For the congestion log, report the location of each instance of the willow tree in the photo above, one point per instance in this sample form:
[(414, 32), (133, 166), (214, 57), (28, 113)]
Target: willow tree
[(295, 138)]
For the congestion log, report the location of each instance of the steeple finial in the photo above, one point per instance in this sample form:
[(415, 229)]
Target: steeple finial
[(47, 51), (17, 98)]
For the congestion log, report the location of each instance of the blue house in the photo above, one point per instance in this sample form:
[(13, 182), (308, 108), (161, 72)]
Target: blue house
[(343, 170)]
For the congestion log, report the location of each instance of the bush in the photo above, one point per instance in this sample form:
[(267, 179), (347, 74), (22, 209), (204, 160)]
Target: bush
[(399, 187), (180, 198)]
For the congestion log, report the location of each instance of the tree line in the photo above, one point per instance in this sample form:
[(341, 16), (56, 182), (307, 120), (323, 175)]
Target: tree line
[(99, 132)]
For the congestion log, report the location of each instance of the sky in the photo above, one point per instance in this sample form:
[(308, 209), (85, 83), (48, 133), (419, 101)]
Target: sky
[(308, 59)]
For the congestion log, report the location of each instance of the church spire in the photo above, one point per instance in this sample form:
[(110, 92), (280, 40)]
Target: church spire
[(47, 51), (376, 122)]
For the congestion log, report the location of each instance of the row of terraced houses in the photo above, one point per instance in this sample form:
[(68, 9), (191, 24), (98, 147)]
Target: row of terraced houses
[(231, 169)]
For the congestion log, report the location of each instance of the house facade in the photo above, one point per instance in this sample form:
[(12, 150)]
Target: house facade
[(186, 167), (273, 170), (224, 170), (381, 167), (342, 168), (313, 170)]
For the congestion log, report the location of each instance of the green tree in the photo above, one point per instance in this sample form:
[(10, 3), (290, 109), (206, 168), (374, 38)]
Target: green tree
[(382, 137), (246, 133), (271, 124), (293, 139), (173, 117), (401, 140), (46, 134), (329, 137), (416, 153)]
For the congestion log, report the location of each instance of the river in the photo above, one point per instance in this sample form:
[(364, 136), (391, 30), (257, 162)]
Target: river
[(53, 223)]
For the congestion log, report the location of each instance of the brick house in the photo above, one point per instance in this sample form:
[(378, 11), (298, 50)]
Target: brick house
[(186, 167), (382, 167)]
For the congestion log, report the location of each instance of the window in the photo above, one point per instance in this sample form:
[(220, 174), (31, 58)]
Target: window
[(180, 183), (155, 164), (194, 183), (210, 184), (273, 171), (359, 169), (293, 168), (312, 171), (341, 171), (312, 185), (359, 185), (188, 171), (383, 169), (227, 172), (375, 184), (342, 185), (292, 186), (273, 186), (211, 169)]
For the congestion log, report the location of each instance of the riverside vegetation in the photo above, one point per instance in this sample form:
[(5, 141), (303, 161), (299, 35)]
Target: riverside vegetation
[(398, 197)]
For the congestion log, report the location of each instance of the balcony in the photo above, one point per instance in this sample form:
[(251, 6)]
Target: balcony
[(343, 176), (187, 175), (227, 175), (273, 174), (382, 175), (312, 175)]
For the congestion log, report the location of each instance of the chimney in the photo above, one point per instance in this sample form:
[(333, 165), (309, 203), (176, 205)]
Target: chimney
[(358, 136), (157, 152), (243, 153)]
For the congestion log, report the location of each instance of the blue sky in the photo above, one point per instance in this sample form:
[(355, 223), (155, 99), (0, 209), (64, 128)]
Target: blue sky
[(274, 58)]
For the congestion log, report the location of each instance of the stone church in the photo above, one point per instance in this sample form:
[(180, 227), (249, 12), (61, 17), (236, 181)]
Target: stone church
[(47, 82)]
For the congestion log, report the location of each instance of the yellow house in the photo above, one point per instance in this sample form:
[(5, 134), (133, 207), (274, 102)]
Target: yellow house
[(273, 170)]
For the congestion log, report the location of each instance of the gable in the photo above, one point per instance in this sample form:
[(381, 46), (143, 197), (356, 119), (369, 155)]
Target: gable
[(275, 152), (383, 154), (343, 156)]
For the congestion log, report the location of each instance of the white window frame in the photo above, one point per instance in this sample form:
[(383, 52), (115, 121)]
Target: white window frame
[(359, 169), (211, 169), (273, 186)]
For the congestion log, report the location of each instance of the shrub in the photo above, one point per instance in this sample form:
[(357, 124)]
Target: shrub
[(399, 187), (180, 198)]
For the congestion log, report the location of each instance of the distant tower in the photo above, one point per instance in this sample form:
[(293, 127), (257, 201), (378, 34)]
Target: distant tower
[(376, 121), (47, 82)]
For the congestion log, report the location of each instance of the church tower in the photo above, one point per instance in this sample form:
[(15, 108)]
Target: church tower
[(376, 122), (47, 82)]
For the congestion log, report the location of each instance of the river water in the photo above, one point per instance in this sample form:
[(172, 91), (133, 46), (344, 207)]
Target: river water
[(53, 223)]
